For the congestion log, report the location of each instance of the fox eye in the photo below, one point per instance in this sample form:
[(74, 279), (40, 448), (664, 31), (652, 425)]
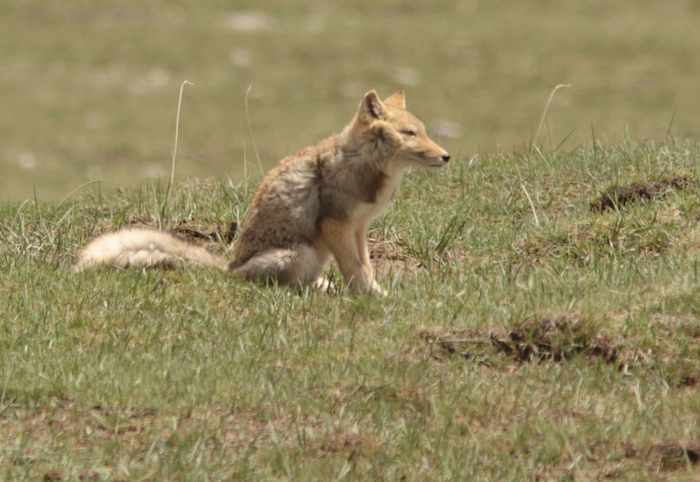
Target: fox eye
[(409, 132)]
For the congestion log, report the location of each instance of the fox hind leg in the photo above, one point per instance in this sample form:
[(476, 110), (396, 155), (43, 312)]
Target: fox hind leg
[(299, 266)]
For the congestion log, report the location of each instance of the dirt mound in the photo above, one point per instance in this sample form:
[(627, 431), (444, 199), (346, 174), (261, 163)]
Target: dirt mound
[(622, 195), (541, 339), (675, 455)]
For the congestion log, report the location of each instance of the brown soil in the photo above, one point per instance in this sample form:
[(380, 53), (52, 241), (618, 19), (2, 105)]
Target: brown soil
[(622, 195), (675, 455), (542, 339)]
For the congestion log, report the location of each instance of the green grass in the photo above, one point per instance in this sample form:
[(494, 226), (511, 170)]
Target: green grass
[(505, 351), (89, 89), (512, 347)]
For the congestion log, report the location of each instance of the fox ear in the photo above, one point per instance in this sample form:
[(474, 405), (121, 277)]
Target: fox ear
[(371, 107), (397, 100)]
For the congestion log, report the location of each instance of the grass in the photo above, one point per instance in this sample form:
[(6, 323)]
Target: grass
[(89, 91), (507, 350), (542, 322)]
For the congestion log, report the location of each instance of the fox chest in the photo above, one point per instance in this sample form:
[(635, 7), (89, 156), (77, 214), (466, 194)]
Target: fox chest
[(363, 212)]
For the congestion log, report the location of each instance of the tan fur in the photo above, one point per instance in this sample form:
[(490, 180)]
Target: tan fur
[(312, 207), (142, 248)]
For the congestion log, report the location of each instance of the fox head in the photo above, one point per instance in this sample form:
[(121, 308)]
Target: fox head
[(392, 137)]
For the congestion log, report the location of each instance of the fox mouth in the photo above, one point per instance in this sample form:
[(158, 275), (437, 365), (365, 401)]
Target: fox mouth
[(436, 164), (432, 163)]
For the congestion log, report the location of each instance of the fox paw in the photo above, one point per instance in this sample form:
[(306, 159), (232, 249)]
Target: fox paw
[(378, 290), (325, 285)]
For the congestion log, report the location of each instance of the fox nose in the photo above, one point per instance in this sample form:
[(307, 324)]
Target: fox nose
[(446, 157)]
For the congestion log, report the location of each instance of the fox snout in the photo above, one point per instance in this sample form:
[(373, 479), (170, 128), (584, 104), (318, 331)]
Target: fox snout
[(438, 160), (434, 155), (442, 160)]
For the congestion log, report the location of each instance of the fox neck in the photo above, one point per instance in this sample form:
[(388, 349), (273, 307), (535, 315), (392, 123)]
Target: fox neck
[(371, 151)]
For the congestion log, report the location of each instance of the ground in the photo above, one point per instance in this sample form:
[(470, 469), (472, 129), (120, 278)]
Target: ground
[(565, 348)]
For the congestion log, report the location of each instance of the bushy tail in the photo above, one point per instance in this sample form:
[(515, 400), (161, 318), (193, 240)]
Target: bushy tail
[(140, 248)]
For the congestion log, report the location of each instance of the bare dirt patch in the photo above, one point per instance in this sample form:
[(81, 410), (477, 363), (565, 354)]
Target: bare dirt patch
[(675, 455), (53, 475), (618, 196), (390, 259), (545, 338), (345, 445)]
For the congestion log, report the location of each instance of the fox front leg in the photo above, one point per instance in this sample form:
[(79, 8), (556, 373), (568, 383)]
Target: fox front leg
[(361, 242), (338, 235)]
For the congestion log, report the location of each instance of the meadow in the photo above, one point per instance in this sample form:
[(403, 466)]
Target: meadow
[(542, 316), (89, 91), (565, 348)]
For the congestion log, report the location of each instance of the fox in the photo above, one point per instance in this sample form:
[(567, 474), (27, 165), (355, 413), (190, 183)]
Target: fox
[(313, 207)]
